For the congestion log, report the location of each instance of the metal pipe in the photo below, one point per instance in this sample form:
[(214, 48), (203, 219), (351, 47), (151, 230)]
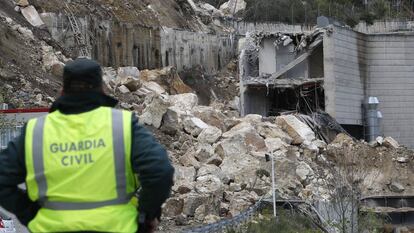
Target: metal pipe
[(273, 185)]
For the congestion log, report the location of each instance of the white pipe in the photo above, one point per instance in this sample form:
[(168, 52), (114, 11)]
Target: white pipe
[(273, 185)]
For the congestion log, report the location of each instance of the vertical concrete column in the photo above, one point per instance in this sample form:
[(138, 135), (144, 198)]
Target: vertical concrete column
[(329, 73)]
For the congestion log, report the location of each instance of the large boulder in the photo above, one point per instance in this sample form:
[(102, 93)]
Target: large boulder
[(241, 201), (208, 169), (128, 71), (269, 130), (241, 168), (209, 184), (304, 172), (150, 87), (183, 179), (32, 16), (204, 153), (210, 135), (156, 107), (184, 102), (188, 159), (168, 78), (391, 143), (51, 62), (173, 207), (296, 129), (210, 116), (251, 138), (233, 7), (172, 120), (231, 146), (192, 202), (205, 203), (194, 126), (275, 144), (109, 77), (133, 84)]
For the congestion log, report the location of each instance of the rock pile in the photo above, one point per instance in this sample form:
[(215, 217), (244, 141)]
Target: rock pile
[(26, 65), (220, 160)]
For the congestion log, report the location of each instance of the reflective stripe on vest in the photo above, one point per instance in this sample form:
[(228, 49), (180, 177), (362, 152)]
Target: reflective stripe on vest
[(120, 171)]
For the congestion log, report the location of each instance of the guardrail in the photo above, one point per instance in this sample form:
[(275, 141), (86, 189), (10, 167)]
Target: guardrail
[(8, 134)]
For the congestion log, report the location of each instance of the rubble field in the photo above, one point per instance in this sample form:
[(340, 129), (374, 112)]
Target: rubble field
[(219, 156)]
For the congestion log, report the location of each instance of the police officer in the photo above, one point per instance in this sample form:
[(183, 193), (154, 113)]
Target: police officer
[(83, 162)]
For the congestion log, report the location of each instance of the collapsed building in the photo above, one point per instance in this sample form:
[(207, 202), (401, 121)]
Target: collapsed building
[(333, 69)]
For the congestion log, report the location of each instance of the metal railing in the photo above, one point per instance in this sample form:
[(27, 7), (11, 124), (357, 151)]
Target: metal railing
[(8, 134)]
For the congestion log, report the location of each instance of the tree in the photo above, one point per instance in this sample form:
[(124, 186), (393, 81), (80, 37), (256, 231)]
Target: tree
[(348, 11)]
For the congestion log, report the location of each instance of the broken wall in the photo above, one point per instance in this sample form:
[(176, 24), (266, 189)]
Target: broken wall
[(345, 75), (273, 58), (391, 79)]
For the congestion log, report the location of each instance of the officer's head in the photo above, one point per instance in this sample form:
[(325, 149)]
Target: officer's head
[(82, 75)]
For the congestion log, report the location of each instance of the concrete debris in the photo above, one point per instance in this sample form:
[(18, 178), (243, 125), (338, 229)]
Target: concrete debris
[(296, 129), (391, 143), (32, 16), (380, 140)]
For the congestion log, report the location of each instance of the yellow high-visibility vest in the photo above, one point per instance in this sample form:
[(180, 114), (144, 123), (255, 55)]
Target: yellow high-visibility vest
[(79, 171)]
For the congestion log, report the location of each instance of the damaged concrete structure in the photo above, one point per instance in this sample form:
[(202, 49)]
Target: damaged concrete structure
[(334, 69)]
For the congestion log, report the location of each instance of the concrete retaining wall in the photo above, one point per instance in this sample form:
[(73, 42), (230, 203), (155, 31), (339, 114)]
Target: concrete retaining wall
[(185, 49), (125, 44)]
